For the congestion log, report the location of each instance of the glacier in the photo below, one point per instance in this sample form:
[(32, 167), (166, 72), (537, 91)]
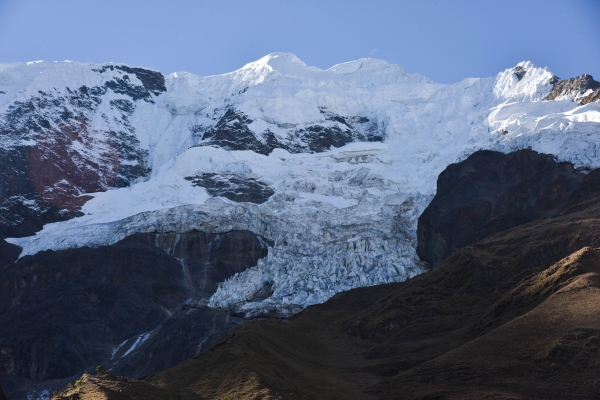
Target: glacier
[(339, 217)]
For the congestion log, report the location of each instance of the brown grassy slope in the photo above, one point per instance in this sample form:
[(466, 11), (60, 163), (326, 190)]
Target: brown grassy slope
[(513, 316), (111, 387), (550, 351), (306, 358)]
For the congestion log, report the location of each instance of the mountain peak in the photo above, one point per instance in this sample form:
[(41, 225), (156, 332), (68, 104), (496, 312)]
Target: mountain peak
[(525, 81), (284, 63)]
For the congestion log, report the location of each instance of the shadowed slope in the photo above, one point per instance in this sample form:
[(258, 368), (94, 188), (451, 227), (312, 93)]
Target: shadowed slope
[(551, 351), (124, 306), (491, 192)]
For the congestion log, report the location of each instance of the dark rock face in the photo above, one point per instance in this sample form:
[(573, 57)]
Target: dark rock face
[(231, 132), (519, 72), (577, 349), (490, 192), (208, 259), (587, 194), (153, 82), (125, 106), (570, 87), (66, 311), (44, 172), (320, 138), (9, 253), (233, 187)]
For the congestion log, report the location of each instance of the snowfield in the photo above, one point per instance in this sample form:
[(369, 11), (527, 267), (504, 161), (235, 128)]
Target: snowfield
[(340, 218)]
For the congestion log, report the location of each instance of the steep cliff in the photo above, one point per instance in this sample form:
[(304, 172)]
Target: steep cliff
[(491, 192)]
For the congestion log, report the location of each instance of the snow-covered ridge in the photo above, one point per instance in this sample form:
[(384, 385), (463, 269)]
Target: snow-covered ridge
[(525, 82), (350, 154)]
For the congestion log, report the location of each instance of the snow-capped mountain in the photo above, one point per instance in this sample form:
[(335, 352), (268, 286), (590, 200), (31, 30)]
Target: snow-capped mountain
[(332, 166)]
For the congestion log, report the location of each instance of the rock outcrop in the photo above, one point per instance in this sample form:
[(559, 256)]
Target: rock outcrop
[(232, 132), (233, 187), (593, 96), (577, 87), (491, 192)]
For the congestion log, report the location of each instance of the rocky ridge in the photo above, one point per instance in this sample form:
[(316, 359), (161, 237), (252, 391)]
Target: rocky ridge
[(54, 149), (583, 89)]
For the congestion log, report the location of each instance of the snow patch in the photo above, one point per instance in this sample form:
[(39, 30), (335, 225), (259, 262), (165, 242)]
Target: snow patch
[(138, 342)]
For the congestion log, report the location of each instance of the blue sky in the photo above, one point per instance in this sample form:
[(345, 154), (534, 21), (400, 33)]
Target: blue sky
[(445, 40)]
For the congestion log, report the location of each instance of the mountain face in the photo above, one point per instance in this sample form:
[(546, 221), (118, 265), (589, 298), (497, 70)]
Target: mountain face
[(325, 173), (54, 149), (333, 166)]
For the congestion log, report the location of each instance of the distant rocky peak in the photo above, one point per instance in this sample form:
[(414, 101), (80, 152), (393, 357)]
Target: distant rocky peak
[(20, 81), (152, 82), (584, 89)]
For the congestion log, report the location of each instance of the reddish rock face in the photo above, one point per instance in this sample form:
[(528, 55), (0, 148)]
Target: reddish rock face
[(55, 153), (60, 173), (490, 192)]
